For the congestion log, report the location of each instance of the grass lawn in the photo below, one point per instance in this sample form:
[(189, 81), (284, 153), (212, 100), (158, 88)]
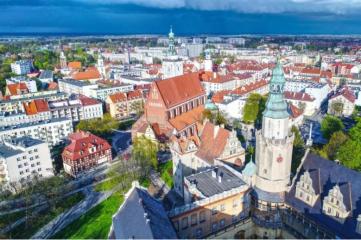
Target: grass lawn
[(94, 224), (39, 220), (166, 173), (113, 182), (144, 182)]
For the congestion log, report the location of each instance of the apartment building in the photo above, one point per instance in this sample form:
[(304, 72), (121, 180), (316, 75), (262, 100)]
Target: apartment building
[(53, 131), (22, 159), (85, 152), (123, 105), (22, 67)]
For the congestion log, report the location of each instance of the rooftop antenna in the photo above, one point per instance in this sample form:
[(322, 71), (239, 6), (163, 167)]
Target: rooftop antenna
[(309, 141)]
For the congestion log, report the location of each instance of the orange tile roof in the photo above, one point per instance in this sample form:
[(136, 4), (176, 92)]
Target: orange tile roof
[(188, 118), (295, 111), (17, 88), (52, 86), (180, 89), (36, 106), (88, 74), (213, 141), (74, 65), (120, 97)]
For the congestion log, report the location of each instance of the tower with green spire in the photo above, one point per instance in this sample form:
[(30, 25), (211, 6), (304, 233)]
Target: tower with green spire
[(274, 143), (172, 64), (171, 45)]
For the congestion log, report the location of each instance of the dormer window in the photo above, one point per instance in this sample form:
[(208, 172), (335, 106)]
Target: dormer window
[(337, 203), (306, 188)]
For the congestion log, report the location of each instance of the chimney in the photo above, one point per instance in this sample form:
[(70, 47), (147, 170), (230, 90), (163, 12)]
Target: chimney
[(220, 176), (214, 173), (215, 131)]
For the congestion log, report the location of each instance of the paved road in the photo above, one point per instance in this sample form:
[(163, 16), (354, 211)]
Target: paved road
[(92, 199), (121, 141)]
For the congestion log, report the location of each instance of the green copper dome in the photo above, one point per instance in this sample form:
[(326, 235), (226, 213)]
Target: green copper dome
[(276, 106)]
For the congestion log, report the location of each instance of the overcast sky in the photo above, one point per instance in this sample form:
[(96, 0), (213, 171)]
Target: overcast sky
[(187, 16)]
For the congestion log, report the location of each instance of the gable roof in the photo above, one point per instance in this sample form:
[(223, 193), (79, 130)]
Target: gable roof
[(81, 142), (346, 93), (36, 106), (142, 217), (17, 88), (88, 74), (74, 65), (188, 118), (330, 175), (179, 89), (213, 140)]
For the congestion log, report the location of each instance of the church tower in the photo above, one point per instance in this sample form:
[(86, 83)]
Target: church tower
[(63, 63), (274, 143), (172, 64), (208, 64), (100, 66)]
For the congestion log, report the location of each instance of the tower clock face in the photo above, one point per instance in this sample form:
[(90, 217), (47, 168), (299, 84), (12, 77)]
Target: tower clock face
[(280, 159)]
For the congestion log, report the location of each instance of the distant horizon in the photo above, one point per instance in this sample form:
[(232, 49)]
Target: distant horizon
[(188, 18)]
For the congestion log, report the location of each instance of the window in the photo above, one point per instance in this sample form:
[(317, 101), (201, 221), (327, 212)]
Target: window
[(24, 157), (235, 203), (202, 216), (20, 166), (223, 207), (32, 165), (214, 210), (38, 163), (214, 226), (329, 210), (199, 233), (39, 169), (176, 225), (222, 223), (308, 198), (185, 223), (337, 214), (18, 159), (194, 219)]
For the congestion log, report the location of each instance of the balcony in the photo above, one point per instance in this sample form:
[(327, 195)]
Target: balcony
[(267, 223)]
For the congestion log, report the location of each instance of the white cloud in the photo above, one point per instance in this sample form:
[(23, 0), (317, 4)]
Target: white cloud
[(248, 6)]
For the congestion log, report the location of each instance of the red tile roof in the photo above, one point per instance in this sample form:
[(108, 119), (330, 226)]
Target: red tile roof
[(300, 96), (346, 93), (36, 106), (80, 144), (121, 97), (188, 118), (52, 86), (180, 89), (87, 101), (295, 111), (74, 65), (213, 140), (17, 88), (90, 73)]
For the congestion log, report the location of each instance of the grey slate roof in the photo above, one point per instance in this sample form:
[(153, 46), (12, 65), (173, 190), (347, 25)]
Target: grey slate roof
[(209, 185), (46, 74), (6, 151), (142, 217), (267, 196), (26, 141), (331, 174)]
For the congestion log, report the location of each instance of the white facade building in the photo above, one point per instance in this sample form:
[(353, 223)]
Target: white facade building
[(21, 159), (52, 131), (71, 86), (22, 67), (30, 83)]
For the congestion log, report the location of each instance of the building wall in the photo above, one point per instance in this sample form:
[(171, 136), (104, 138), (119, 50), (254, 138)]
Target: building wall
[(31, 161), (217, 215)]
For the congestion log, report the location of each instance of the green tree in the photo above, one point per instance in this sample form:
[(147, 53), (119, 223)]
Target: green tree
[(100, 126), (331, 148), (254, 108), (349, 153), (298, 149), (330, 125), (144, 153)]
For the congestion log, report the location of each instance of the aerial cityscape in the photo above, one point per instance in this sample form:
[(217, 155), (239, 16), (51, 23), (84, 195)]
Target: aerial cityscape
[(180, 119)]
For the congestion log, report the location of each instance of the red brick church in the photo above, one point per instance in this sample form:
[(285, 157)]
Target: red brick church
[(174, 107)]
